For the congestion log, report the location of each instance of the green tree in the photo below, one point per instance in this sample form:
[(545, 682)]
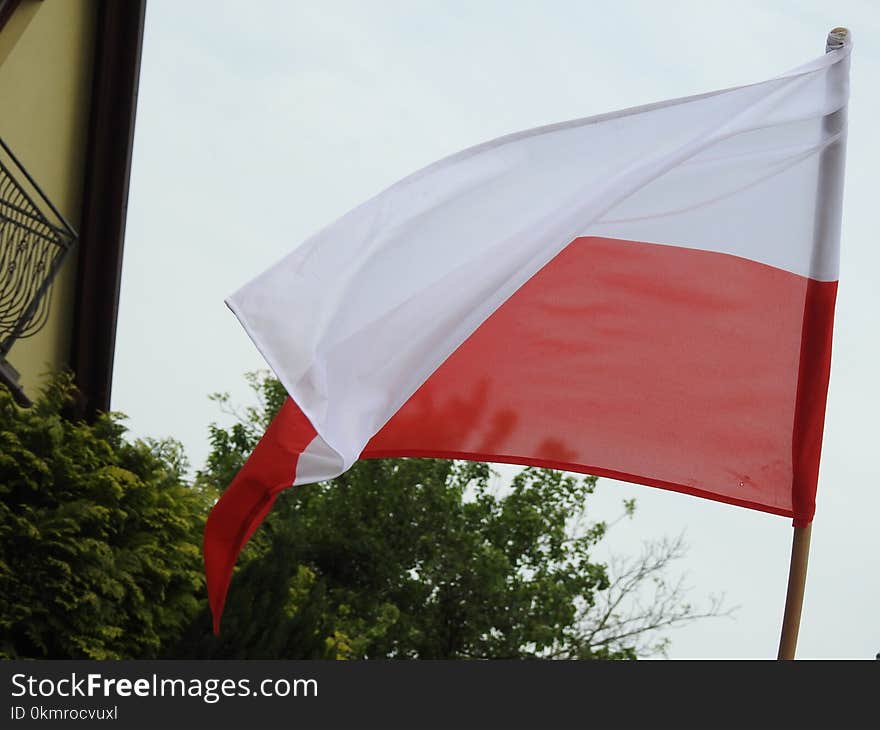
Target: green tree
[(100, 538), (100, 554), (421, 558)]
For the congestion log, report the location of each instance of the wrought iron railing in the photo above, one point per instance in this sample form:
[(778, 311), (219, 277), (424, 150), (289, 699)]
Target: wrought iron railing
[(34, 238)]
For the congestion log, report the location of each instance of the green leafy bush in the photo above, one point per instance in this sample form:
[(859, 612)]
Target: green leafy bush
[(100, 538)]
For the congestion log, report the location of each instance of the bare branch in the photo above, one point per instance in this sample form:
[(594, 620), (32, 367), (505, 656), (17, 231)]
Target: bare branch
[(641, 601)]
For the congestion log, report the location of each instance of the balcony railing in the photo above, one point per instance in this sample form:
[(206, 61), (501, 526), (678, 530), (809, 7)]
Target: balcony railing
[(34, 239)]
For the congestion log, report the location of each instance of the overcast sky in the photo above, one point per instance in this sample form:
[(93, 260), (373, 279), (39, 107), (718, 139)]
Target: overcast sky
[(260, 123)]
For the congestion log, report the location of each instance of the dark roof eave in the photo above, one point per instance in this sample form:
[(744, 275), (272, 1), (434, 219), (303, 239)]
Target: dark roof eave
[(118, 46)]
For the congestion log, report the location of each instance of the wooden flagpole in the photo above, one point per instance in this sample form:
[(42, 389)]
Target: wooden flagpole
[(794, 597), (800, 546)]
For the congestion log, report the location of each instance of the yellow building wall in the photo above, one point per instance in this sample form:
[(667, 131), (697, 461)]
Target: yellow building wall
[(46, 56)]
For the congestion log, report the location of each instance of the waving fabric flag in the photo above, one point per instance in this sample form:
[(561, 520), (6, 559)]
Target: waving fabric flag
[(646, 295)]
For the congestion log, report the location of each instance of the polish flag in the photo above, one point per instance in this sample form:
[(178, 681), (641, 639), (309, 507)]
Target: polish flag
[(646, 295)]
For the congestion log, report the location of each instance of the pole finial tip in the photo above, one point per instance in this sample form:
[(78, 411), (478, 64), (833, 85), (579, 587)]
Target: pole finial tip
[(837, 38)]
